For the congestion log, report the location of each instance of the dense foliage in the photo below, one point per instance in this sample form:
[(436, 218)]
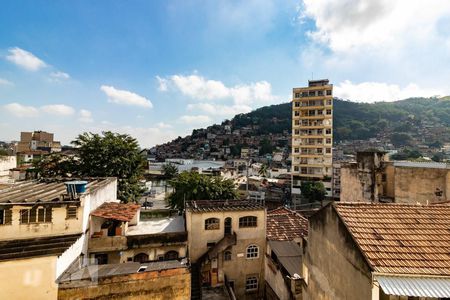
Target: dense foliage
[(313, 191), (359, 121), (169, 170), (101, 155), (194, 186)]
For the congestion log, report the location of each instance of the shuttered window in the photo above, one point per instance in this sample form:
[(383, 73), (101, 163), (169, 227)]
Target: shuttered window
[(39, 215), (71, 212), (5, 216)]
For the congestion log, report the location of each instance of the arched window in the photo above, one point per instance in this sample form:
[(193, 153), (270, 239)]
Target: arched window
[(252, 251), (212, 224), (247, 221), (141, 257), (227, 255), (171, 255)]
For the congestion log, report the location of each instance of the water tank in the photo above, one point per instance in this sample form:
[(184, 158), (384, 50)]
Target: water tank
[(76, 187)]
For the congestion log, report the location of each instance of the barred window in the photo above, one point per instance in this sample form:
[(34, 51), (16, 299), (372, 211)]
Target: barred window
[(71, 212), (248, 221), (227, 255), (40, 215), (251, 283), (252, 251), (212, 224), (5, 216)]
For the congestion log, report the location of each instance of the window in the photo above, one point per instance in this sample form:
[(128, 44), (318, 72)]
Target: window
[(248, 221), (328, 111), (40, 215), (296, 113), (328, 92), (71, 212), (171, 255), (5, 216), (312, 93), (141, 258), (252, 251), (227, 255), (328, 141), (329, 102), (319, 93), (297, 104), (212, 224), (304, 94), (296, 150), (297, 95), (328, 150), (328, 131), (251, 283)]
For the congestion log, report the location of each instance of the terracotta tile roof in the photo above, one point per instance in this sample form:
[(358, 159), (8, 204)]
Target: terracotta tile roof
[(116, 211), (401, 238), (285, 225)]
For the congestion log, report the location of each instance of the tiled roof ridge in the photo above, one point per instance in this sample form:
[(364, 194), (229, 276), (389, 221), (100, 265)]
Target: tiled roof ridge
[(379, 204), (277, 212)]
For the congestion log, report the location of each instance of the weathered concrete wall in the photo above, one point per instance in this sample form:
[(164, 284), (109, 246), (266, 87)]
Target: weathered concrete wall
[(6, 163), (335, 267), (274, 278), (174, 284), (351, 187), (421, 185), (239, 267), (32, 278)]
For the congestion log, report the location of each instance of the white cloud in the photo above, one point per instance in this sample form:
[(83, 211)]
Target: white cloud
[(219, 110), (59, 75), (198, 119), (348, 24), (200, 88), (125, 97), (163, 125), (162, 84), (5, 82), (85, 116), (21, 111), (58, 109), (378, 91), (25, 59)]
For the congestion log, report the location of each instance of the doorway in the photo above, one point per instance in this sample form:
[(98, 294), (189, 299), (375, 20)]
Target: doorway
[(228, 228)]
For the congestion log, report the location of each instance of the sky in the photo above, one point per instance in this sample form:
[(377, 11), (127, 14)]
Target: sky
[(158, 69)]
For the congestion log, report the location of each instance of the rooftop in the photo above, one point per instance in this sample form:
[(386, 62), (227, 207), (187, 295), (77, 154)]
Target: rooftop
[(285, 225), (100, 271), (425, 164), (45, 246), (289, 255), (44, 190), (222, 205), (400, 238), (124, 212), (158, 225)]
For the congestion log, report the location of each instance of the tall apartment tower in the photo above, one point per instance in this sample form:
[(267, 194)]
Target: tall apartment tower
[(312, 134)]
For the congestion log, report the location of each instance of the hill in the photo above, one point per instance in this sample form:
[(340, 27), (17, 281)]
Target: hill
[(406, 123)]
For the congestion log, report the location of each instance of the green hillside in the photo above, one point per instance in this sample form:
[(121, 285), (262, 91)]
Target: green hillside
[(427, 119)]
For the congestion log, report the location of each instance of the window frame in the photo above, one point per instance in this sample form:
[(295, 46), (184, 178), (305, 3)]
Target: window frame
[(6, 216), (212, 224), (227, 255), (252, 252), (253, 282), (69, 214), (248, 222)]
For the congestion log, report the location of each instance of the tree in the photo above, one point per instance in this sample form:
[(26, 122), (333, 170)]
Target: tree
[(265, 147), (169, 170), (263, 170), (193, 186), (112, 155), (313, 191), (101, 155)]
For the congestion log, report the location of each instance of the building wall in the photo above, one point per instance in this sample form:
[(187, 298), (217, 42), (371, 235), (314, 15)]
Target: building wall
[(239, 267), (333, 266), (6, 163), (174, 284), (419, 185), (274, 278), (59, 225), (31, 278)]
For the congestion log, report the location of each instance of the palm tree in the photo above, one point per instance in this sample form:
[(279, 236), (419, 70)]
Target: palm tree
[(263, 170)]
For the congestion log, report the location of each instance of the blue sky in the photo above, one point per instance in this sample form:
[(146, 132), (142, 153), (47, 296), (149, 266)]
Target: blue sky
[(158, 69)]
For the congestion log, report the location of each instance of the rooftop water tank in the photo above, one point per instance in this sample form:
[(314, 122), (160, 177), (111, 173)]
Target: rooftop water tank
[(76, 187)]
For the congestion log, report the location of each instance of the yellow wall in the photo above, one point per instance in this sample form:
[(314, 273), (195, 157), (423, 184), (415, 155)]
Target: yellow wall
[(28, 279), (58, 226)]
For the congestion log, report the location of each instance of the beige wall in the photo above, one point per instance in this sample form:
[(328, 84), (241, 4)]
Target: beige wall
[(58, 226), (274, 278), (174, 284), (335, 267), (418, 185), (351, 188), (239, 267), (28, 278)]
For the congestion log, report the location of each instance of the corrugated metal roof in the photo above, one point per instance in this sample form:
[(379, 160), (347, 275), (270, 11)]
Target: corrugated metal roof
[(420, 164), (289, 254), (436, 287)]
